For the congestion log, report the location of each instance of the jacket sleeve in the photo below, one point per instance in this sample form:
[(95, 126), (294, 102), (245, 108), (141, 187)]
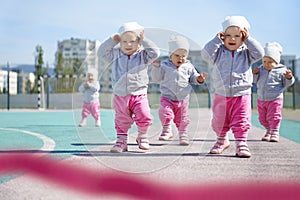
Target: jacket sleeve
[(255, 50), (194, 76), (288, 82), (256, 76), (94, 86), (156, 74), (105, 51), (151, 51), (210, 50), (81, 87)]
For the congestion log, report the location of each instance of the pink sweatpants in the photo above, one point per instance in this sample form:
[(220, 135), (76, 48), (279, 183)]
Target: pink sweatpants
[(232, 113), (176, 110), (269, 113), (91, 108), (130, 109)]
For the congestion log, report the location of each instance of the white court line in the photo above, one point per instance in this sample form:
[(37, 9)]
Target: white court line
[(49, 144)]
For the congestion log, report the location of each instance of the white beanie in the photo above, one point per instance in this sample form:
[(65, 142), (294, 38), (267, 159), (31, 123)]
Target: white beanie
[(131, 26), (239, 21), (178, 42), (92, 71), (273, 50)]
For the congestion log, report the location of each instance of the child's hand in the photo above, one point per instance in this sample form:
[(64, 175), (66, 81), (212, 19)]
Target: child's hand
[(255, 70), (202, 77), (141, 37), (116, 38), (245, 33), (288, 74), (221, 35), (156, 63), (86, 85)]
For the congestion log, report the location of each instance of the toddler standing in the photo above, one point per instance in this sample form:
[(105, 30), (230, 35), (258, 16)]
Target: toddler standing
[(175, 75), (272, 79), (90, 92), (129, 64), (231, 53)]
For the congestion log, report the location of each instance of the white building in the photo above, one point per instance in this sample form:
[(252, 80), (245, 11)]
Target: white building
[(13, 82), (84, 50)]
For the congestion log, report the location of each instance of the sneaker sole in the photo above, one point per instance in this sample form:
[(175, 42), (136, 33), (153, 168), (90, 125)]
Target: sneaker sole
[(221, 151), (115, 151), (242, 156)]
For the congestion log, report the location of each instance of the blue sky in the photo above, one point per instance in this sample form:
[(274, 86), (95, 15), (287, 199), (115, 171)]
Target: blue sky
[(25, 24)]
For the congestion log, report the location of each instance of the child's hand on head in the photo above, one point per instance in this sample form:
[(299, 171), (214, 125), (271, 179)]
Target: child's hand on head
[(116, 38), (221, 35), (288, 74), (245, 33), (255, 70)]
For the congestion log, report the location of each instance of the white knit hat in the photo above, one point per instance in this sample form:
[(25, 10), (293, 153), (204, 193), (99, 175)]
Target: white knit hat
[(178, 42), (131, 26), (273, 50), (92, 71), (239, 21)]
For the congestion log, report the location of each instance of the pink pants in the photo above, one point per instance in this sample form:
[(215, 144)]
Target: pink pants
[(130, 109), (91, 108), (269, 113), (176, 110), (232, 113)]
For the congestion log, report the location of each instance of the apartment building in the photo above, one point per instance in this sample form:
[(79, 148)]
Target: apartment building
[(82, 49)]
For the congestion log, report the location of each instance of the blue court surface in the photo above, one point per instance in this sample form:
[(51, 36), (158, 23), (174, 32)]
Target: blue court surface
[(57, 132)]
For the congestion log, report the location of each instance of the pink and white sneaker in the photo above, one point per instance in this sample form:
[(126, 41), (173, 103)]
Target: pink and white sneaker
[(120, 145), (221, 145), (242, 150)]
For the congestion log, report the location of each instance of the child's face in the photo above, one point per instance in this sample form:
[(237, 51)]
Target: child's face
[(129, 43), (90, 77), (269, 63), (233, 38), (178, 57)]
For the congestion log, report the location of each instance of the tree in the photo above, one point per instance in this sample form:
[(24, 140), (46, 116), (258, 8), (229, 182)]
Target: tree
[(60, 64), (38, 65)]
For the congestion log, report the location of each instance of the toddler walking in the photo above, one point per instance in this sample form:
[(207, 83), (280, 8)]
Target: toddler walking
[(231, 53), (129, 64), (272, 79), (175, 75), (90, 92)]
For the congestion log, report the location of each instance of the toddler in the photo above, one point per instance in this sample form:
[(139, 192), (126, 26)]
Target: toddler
[(129, 64), (272, 79), (175, 75), (231, 53), (90, 92)]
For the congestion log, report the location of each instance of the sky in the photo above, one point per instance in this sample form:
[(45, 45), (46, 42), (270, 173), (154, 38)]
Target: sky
[(26, 24)]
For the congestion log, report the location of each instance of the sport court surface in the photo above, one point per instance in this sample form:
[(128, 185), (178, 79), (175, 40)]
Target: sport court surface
[(56, 133)]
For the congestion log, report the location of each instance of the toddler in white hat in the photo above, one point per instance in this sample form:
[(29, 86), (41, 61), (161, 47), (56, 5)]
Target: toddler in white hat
[(176, 75), (231, 54), (129, 63), (272, 78)]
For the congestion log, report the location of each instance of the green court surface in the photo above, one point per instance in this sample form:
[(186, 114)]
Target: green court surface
[(57, 132)]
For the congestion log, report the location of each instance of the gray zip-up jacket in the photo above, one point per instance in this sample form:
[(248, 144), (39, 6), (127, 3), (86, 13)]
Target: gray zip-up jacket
[(271, 84), (175, 82), (129, 73), (231, 70), (90, 94)]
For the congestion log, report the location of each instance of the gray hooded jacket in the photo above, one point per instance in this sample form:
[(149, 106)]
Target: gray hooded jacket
[(271, 84), (175, 82), (129, 73), (231, 70)]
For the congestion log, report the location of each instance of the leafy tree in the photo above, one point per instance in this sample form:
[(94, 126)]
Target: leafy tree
[(60, 64), (38, 65)]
